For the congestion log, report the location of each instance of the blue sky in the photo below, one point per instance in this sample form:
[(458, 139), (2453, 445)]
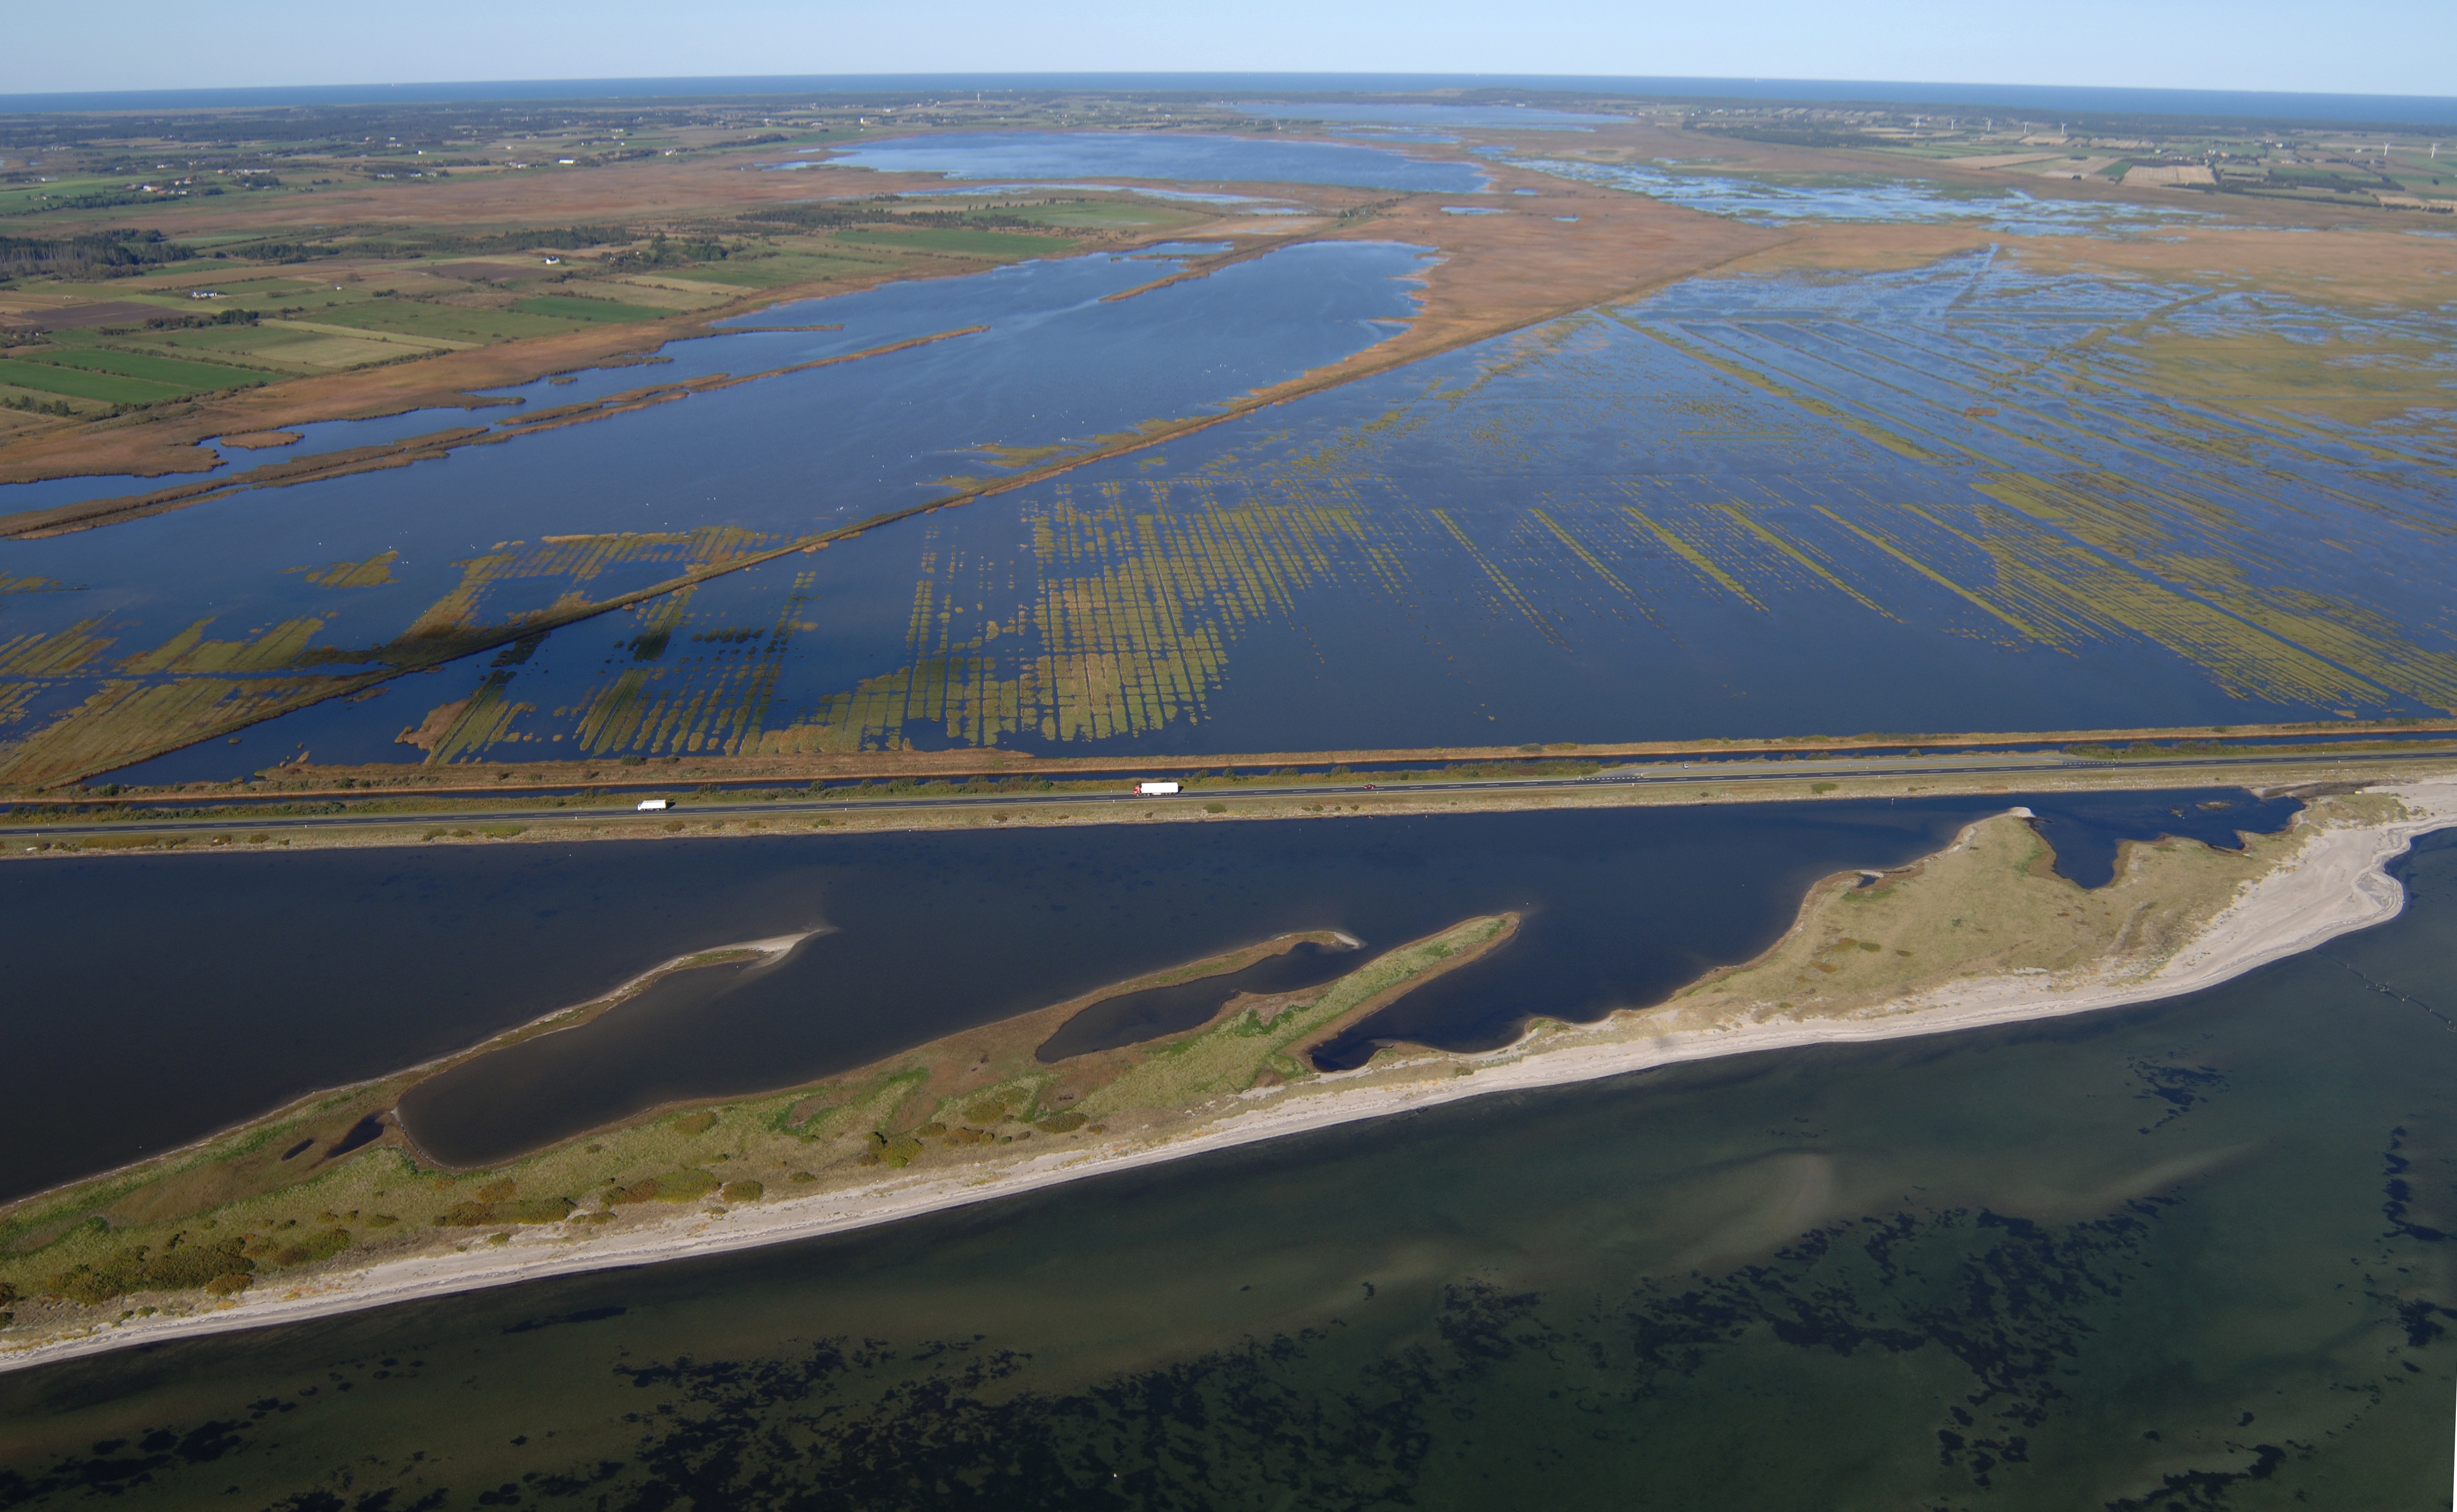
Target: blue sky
[(2388, 47)]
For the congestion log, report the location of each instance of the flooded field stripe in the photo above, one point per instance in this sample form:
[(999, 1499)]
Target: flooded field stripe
[(1704, 565), (1739, 516), (2028, 631)]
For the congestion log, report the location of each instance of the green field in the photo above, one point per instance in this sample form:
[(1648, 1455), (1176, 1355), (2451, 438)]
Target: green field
[(34, 199), (186, 376), (573, 307), (978, 243), (79, 383), (447, 321), (787, 267), (1102, 214)]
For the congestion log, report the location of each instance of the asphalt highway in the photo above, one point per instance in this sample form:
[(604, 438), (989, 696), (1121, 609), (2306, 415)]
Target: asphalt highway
[(1716, 775)]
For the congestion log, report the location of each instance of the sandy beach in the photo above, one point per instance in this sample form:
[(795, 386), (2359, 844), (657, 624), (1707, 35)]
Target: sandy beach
[(2337, 884)]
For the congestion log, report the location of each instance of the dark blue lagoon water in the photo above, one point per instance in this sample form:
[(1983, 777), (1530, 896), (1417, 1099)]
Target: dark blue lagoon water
[(1157, 154), (265, 977), (1132, 1018), (2191, 1255)]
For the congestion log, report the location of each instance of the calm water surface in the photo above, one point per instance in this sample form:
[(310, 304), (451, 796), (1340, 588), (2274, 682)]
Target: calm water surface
[(1158, 154), (2194, 1255)]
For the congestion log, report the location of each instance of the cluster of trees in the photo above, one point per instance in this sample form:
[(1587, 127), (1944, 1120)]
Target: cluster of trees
[(87, 255), (664, 252), (187, 323)]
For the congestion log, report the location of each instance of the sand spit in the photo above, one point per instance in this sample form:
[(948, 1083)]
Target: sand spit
[(2335, 885)]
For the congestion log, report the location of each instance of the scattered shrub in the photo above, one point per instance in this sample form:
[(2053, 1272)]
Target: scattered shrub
[(484, 1215), (897, 1152), (674, 1185), (988, 1110), (230, 1283), (1060, 1123), (699, 1123), (176, 1267), (742, 1192)]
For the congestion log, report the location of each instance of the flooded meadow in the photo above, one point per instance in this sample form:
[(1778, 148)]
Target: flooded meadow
[(1972, 496), (1975, 495)]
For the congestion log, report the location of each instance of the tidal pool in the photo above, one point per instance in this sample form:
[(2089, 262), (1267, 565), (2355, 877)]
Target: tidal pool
[(2197, 1253)]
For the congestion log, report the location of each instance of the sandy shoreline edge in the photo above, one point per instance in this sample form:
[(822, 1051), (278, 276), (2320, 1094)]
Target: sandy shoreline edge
[(2337, 885)]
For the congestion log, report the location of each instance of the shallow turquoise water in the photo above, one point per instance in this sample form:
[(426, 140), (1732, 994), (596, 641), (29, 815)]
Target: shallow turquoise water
[(2193, 1256)]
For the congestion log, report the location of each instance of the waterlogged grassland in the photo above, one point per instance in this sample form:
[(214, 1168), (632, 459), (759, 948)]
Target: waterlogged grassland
[(1970, 478), (1982, 492), (110, 700)]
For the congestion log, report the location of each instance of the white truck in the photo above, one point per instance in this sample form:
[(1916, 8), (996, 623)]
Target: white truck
[(1155, 790), (653, 805)]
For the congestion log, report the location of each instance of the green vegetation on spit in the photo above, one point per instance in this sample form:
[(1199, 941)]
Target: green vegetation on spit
[(334, 1174)]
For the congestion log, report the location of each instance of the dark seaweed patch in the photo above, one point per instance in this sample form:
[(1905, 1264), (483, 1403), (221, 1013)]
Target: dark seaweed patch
[(2179, 1087), (586, 1315)]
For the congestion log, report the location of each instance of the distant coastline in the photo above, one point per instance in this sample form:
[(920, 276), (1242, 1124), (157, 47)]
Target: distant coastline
[(2069, 98)]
